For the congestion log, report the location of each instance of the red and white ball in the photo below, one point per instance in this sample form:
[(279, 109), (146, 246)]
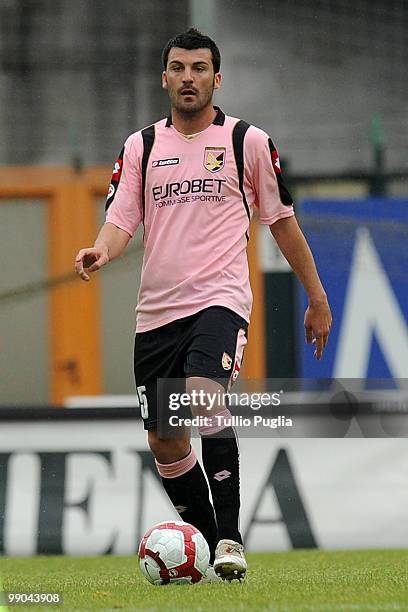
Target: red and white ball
[(173, 552)]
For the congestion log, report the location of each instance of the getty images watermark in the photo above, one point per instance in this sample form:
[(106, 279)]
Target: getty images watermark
[(204, 401), (293, 408)]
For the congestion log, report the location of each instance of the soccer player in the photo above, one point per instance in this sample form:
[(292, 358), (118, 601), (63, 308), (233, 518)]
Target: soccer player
[(194, 179)]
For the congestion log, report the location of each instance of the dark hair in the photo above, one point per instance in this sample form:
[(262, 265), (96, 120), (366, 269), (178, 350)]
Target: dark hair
[(193, 39)]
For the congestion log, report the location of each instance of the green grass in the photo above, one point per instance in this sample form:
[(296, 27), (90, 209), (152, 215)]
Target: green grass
[(294, 581)]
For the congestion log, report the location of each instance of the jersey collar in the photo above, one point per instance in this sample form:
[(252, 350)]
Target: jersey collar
[(219, 118)]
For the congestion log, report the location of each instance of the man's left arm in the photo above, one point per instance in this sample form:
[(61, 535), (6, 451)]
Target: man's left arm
[(296, 250)]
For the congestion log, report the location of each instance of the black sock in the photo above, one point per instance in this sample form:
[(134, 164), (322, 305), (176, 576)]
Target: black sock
[(221, 464), (190, 496)]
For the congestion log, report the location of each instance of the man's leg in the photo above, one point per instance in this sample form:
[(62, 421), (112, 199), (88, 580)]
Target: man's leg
[(159, 354), (185, 484), (221, 463), (220, 458), (213, 363)]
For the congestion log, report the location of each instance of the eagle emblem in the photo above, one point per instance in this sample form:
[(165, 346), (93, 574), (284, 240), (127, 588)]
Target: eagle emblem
[(214, 158)]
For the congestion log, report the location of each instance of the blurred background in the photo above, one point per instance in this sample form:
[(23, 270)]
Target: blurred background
[(326, 79)]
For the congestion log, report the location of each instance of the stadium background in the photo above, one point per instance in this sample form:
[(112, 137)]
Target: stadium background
[(327, 80)]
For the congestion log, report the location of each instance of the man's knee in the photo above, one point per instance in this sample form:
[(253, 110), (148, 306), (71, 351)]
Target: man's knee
[(168, 450), (210, 396)]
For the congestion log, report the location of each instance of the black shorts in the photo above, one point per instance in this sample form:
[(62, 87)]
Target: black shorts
[(208, 344)]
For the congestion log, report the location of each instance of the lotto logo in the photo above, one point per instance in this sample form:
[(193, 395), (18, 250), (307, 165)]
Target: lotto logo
[(222, 475), (172, 161)]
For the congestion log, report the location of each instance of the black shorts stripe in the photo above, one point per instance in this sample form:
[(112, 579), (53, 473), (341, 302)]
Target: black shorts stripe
[(284, 194), (238, 135), (148, 135)]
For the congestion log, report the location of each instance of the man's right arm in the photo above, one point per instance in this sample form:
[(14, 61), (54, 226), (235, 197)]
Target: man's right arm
[(123, 211), (110, 243)]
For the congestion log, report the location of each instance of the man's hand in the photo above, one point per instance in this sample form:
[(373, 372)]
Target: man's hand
[(318, 320), (90, 260)]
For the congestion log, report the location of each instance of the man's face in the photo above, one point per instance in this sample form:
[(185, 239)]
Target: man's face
[(190, 79)]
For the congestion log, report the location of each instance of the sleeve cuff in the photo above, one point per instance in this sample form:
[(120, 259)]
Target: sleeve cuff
[(120, 225), (281, 215)]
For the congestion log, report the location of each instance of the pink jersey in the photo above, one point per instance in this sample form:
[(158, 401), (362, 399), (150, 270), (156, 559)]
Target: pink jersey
[(195, 198)]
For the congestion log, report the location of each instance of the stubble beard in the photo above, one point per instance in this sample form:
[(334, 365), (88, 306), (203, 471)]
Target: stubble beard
[(188, 110)]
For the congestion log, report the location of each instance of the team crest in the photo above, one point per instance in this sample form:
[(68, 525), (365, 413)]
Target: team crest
[(226, 361), (214, 158)]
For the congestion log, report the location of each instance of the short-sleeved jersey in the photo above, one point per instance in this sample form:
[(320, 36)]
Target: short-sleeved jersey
[(195, 198)]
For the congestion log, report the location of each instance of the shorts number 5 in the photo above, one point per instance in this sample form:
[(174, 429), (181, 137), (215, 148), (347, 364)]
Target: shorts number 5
[(141, 396)]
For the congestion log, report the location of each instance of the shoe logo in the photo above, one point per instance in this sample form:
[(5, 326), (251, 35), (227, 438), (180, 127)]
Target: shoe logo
[(222, 475), (180, 509), (229, 549)]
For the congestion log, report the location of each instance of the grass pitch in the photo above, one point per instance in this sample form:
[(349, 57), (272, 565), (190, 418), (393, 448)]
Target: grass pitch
[(312, 580)]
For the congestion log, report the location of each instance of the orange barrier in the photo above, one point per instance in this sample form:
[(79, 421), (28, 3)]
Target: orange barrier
[(74, 316), (75, 320)]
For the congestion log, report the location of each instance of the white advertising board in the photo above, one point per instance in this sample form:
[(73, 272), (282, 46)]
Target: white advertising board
[(90, 487)]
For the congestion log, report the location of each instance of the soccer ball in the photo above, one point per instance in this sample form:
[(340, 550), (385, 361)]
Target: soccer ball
[(173, 552)]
